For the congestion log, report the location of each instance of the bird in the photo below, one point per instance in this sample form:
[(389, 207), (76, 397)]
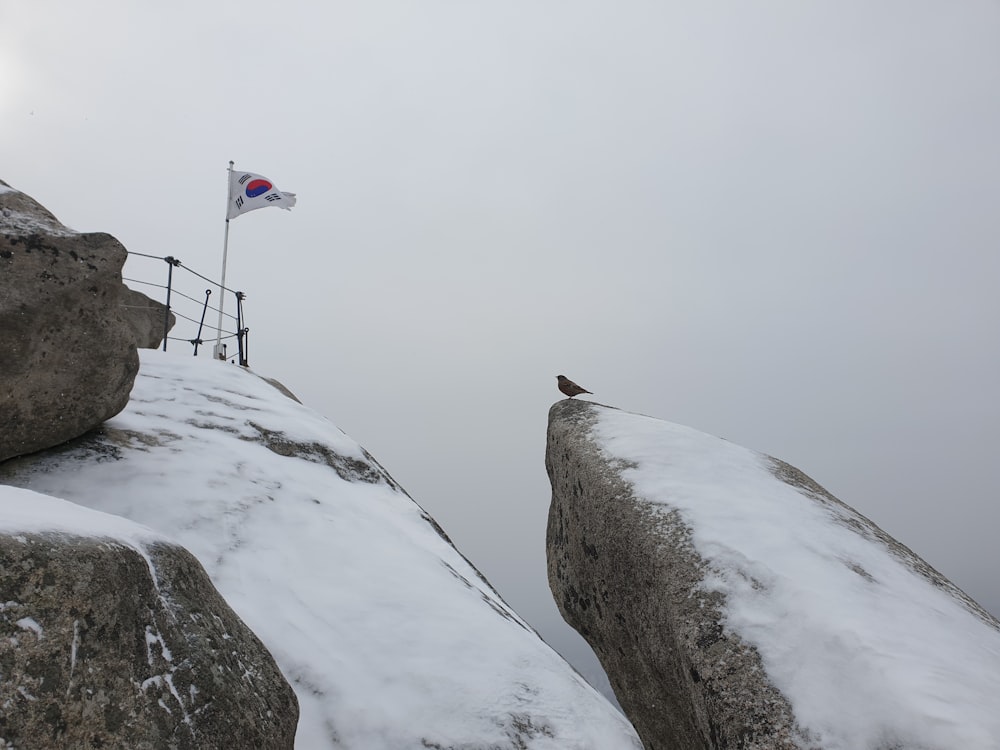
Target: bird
[(568, 387)]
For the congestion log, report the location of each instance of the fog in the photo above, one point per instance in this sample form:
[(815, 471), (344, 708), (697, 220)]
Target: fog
[(774, 223)]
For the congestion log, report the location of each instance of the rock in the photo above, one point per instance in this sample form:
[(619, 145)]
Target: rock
[(67, 357), (735, 603), (145, 317), (106, 643), (628, 580), (282, 388)]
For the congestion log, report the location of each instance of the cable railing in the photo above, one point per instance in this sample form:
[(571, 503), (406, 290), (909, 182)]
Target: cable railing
[(189, 311)]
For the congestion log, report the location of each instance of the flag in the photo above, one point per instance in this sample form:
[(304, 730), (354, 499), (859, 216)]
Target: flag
[(249, 191)]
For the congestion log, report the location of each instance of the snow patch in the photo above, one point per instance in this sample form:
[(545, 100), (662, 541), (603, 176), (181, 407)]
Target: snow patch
[(20, 223), (27, 623), (72, 652), (155, 639)]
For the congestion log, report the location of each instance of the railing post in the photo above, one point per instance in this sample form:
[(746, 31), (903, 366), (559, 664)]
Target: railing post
[(171, 262), (208, 293), (239, 328)]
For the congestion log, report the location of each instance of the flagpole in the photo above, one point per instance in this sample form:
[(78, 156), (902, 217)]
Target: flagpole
[(225, 252)]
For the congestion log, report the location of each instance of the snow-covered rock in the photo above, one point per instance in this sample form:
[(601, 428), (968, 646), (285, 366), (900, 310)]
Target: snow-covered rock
[(735, 603), (389, 636), (110, 636)]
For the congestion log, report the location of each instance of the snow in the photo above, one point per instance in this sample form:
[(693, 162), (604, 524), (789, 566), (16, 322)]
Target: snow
[(388, 635), (28, 623), (870, 653), (23, 511), (18, 222)]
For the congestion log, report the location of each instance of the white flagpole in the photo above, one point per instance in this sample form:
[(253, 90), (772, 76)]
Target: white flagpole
[(219, 352)]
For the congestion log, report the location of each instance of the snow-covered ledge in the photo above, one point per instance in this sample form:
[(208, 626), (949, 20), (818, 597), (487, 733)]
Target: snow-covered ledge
[(735, 603)]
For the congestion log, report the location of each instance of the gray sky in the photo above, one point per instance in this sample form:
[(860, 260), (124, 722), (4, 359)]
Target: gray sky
[(774, 222)]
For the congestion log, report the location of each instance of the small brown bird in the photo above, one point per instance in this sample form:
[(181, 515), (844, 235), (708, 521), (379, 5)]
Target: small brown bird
[(568, 387)]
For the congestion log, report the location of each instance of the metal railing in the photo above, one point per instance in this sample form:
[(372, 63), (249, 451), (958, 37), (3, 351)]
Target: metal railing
[(176, 298)]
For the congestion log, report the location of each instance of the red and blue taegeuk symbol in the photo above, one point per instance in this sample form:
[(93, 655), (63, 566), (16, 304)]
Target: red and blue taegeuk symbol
[(257, 187)]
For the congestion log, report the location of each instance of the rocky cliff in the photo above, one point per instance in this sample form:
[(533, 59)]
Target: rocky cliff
[(734, 603)]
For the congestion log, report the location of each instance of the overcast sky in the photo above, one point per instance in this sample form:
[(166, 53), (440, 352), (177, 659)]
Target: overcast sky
[(775, 222)]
